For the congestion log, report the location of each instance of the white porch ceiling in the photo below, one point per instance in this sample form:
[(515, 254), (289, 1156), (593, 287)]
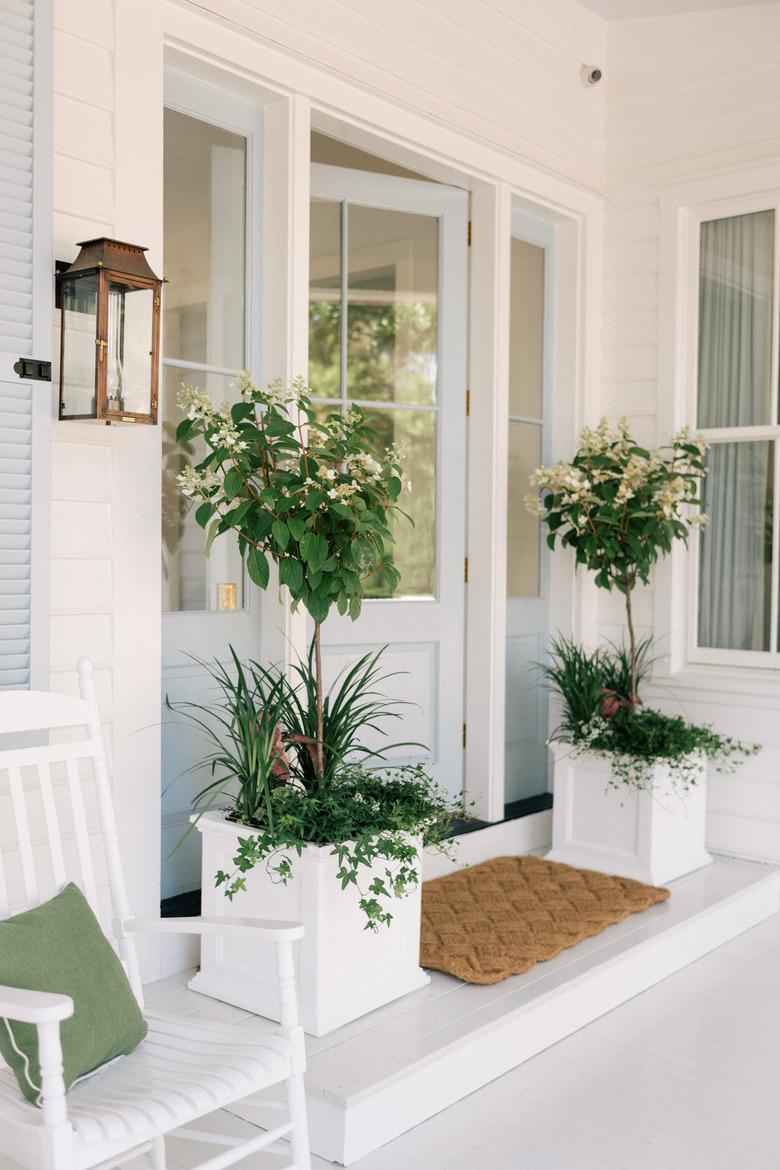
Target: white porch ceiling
[(631, 9)]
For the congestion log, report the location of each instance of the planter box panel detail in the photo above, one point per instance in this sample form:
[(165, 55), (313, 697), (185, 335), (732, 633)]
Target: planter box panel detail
[(653, 836), (343, 970)]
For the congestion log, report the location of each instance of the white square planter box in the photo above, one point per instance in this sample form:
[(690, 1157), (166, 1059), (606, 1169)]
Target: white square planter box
[(343, 970), (653, 836)]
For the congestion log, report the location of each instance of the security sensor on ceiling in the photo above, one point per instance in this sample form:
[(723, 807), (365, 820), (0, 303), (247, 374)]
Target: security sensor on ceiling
[(591, 74)]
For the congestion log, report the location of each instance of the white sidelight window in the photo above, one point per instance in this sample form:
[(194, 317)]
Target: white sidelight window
[(738, 562)]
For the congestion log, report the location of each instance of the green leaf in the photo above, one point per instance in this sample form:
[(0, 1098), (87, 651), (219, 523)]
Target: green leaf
[(204, 514), (233, 483), (184, 429), (297, 527), (291, 573), (242, 411), (257, 567), (281, 533), (213, 532)]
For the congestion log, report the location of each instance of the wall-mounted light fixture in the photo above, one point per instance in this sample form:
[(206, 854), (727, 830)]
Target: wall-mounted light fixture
[(110, 334)]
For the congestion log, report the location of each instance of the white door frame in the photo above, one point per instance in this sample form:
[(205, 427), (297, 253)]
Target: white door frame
[(299, 95)]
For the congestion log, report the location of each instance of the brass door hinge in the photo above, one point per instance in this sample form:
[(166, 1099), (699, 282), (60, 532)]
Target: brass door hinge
[(466, 570), (468, 403), (464, 735), (468, 235)]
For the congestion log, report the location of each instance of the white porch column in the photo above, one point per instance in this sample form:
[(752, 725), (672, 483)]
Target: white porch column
[(491, 219), (286, 180)]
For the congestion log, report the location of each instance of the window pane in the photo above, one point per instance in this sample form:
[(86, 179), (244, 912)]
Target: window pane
[(415, 547), (129, 372), (205, 192), (526, 330), (79, 324), (735, 320), (192, 580), (392, 309), (325, 299), (523, 529), (736, 547)]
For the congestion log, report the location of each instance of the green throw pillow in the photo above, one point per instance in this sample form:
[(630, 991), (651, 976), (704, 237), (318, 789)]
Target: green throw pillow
[(60, 947)]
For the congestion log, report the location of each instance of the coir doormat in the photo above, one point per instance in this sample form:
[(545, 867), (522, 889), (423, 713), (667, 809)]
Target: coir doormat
[(499, 918)]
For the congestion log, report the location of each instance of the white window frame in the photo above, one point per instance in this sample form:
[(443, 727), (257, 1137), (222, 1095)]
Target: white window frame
[(683, 210)]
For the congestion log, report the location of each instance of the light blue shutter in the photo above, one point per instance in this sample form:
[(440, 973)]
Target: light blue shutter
[(25, 331)]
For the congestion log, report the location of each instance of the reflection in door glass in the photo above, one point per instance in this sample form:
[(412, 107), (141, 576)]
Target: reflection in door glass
[(526, 698), (203, 326), (325, 299), (392, 291), (191, 580), (523, 533), (390, 344), (415, 545)]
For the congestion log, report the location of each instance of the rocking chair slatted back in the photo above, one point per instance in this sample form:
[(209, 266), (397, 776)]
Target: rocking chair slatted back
[(57, 821)]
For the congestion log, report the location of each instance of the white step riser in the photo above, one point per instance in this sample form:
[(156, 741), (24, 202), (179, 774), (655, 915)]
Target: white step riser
[(343, 1131)]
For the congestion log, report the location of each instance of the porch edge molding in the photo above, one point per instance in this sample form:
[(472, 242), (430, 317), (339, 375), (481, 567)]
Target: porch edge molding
[(491, 219)]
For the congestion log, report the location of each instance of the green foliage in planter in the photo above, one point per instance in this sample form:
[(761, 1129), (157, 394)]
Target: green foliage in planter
[(261, 765), (598, 717), (365, 816), (620, 508), (313, 495), (354, 704)]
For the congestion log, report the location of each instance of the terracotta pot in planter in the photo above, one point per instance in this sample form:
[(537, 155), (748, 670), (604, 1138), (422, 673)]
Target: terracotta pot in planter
[(653, 836), (343, 970)]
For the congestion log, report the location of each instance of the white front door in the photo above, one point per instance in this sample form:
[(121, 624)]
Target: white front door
[(387, 331)]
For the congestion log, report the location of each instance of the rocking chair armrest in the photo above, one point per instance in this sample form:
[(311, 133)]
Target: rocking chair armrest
[(34, 1007), (264, 929)]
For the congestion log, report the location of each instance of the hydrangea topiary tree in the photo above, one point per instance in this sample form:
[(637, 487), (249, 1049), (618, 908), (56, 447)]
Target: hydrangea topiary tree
[(620, 507), (313, 495)]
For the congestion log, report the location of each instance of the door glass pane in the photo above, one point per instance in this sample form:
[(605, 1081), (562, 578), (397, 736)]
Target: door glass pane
[(204, 220), (523, 529), (526, 330), (192, 580), (325, 299), (736, 547), (415, 548), (392, 306), (129, 371), (735, 320), (79, 324)]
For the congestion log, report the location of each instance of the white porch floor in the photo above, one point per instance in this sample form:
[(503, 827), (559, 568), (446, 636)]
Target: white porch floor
[(681, 1077)]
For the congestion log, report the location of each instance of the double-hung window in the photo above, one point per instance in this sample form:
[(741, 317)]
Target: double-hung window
[(738, 557)]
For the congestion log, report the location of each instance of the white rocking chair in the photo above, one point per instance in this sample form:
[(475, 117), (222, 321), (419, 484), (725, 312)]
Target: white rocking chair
[(57, 825)]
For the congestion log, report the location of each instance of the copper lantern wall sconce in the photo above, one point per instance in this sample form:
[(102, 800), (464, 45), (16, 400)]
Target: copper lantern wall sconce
[(110, 334)]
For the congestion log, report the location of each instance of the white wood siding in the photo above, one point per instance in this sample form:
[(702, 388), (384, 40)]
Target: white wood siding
[(688, 97), (105, 566), (506, 73)]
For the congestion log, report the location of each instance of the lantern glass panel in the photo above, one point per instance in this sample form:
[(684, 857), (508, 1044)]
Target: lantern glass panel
[(79, 331), (129, 371)]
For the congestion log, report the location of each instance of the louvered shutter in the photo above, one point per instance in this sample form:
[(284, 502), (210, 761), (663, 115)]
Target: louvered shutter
[(25, 331)]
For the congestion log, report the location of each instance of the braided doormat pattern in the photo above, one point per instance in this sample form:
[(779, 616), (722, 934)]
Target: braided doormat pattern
[(499, 918)]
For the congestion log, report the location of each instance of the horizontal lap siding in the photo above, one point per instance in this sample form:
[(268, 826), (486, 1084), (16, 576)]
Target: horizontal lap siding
[(687, 97), (508, 74)]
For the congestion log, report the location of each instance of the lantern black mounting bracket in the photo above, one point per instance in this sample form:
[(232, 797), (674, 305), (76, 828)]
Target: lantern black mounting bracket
[(33, 369), (60, 267)]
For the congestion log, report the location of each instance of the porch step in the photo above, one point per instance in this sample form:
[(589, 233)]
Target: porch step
[(379, 1076)]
